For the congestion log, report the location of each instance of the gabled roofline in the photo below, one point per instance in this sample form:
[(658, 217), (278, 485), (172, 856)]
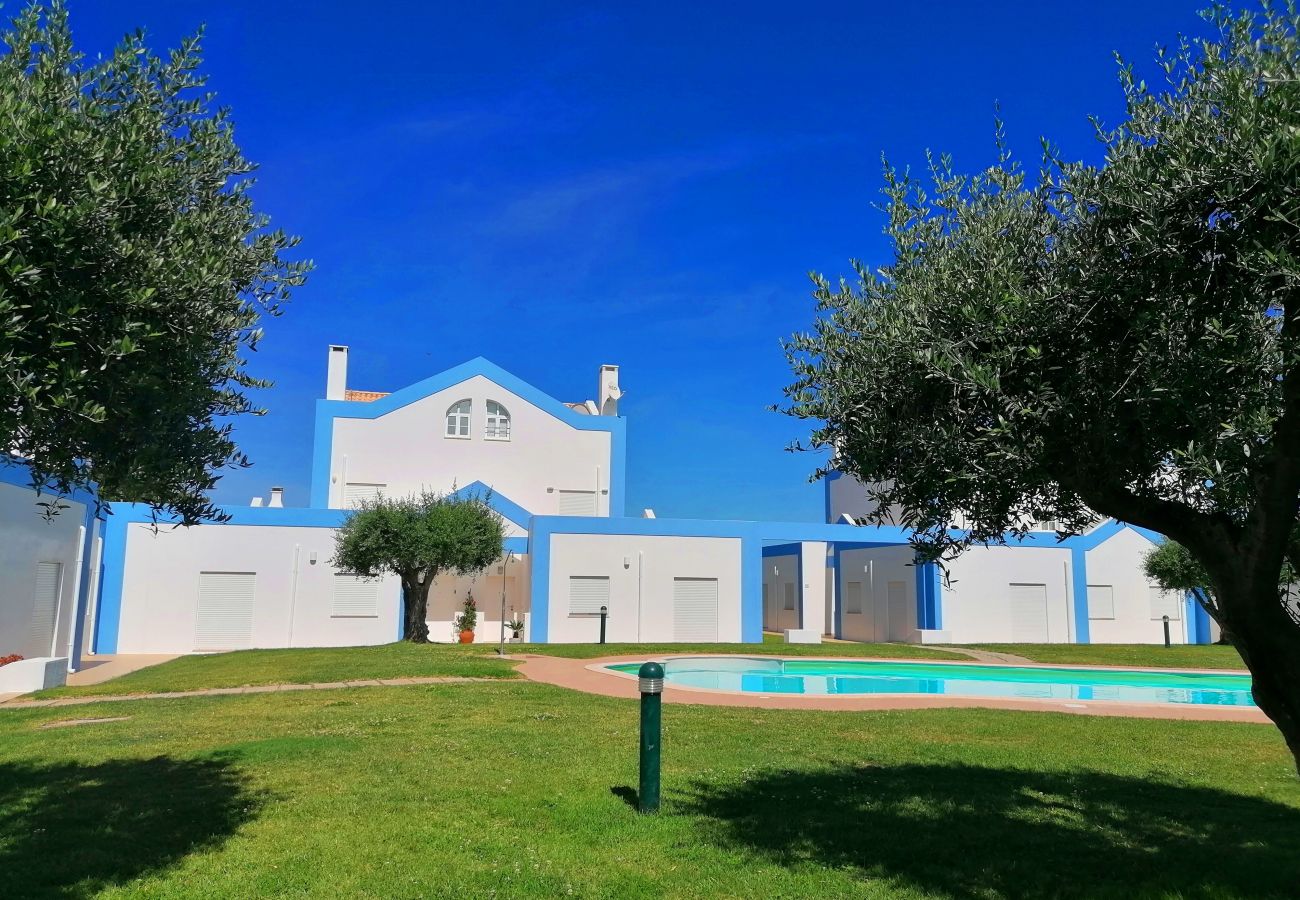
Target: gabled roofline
[(329, 410)]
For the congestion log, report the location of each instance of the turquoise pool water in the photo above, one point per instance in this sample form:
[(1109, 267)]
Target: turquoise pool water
[(820, 677)]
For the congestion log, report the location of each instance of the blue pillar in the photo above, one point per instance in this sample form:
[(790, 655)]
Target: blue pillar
[(1079, 581)]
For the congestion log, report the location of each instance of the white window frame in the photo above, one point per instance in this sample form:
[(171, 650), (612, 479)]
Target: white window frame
[(458, 420), (497, 427)]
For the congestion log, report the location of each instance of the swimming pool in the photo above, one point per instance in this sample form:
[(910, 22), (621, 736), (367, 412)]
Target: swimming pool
[(817, 677)]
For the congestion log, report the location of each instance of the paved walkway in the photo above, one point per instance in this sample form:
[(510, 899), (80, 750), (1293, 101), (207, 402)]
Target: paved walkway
[(988, 656), (251, 689), (107, 666)]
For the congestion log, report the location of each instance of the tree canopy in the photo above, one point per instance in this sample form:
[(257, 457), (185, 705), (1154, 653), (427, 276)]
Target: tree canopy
[(133, 269), (1117, 339), (418, 538)]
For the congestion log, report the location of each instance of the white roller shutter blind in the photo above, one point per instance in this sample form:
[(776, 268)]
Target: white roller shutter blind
[(355, 491), (225, 613), (789, 595), (1164, 603), (577, 503), (853, 597), (1101, 601), (695, 610), (45, 608), (355, 597), (1028, 613), (587, 594)]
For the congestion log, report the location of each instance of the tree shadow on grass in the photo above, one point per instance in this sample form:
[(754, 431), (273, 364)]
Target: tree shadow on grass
[(68, 829), (968, 831)]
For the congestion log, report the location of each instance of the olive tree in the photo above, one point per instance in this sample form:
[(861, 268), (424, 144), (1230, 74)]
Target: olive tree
[(133, 269), (1113, 340), (417, 538)]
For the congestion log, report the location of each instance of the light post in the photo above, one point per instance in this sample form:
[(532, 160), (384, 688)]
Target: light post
[(505, 567), (650, 679)]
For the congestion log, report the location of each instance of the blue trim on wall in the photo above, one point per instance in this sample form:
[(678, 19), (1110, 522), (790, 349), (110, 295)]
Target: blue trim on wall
[(798, 580), (108, 616), (780, 550), (509, 509), (329, 410), (751, 590), (837, 599), (15, 472), (1079, 588)]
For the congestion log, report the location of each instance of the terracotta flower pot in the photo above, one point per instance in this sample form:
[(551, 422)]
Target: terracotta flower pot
[(467, 637)]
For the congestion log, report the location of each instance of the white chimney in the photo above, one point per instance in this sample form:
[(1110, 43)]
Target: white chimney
[(257, 501), (647, 513), (336, 374), (608, 393), (277, 498)]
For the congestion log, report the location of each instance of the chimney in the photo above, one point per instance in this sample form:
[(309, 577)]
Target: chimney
[(277, 498), (336, 375), (257, 501), (608, 393)]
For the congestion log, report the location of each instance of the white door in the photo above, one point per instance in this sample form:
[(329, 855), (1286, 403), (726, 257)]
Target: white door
[(1028, 613), (900, 612), (225, 611), (695, 610), (45, 608)]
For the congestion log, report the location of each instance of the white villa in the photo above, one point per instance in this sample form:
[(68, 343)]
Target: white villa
[(556, 471)]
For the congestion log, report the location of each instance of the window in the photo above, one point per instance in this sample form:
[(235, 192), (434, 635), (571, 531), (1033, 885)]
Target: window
[(498, 422), (355, 597), (458, 419), (853, 597), (789, 595), (1163, 603), (45, 611), (355, 491), (577, 503), (1101, 601), (587, 594), (695, 610), (224, 619), (1028, 613)]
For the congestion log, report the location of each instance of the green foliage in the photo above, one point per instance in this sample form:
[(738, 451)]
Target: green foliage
[(1113, 339), (468, 617), (422, 535), (133, 268), (417, 538), (1172, 566), (1119, 340)]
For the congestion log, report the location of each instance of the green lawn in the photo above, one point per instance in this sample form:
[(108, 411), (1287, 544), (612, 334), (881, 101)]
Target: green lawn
[(297, 666), (1193, 656), (514, 789), (307, 666)]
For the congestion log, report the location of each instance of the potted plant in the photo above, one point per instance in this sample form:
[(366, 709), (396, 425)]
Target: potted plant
[(466, 621), (516, 626)]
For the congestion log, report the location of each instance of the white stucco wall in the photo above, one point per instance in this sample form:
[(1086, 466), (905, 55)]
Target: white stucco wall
[(407, 449), (779, 571), (977, 604), (447, 600), (875, 568), (161, 583), (27, 539), (1117, 563), (641, 570)]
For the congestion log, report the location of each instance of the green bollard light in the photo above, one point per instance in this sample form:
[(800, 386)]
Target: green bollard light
[(651, 682)]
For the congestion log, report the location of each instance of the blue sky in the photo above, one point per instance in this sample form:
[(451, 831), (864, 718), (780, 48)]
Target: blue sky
[(556, 186)]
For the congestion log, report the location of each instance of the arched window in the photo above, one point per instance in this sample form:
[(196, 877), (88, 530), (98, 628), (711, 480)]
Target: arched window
[(458, 419), (498, 422)]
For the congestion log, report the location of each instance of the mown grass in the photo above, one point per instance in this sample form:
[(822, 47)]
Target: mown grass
[(297, 666), (324, 664), (514, 789), (1179, 656)]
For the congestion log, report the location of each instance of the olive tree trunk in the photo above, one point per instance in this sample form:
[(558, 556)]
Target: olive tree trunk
[(1269, 643), (416, 605)]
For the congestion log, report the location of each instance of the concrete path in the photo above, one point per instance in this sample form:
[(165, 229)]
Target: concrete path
[(251, 689), (988, 656), (106, 666)]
